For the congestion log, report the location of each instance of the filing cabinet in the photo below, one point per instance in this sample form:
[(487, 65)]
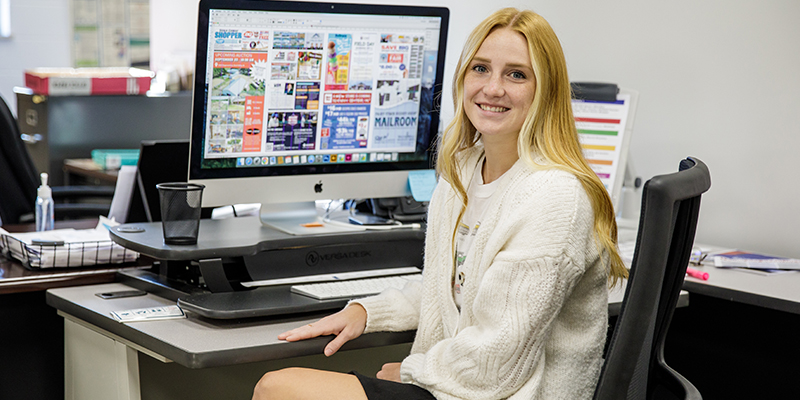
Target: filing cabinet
[(61, 127)]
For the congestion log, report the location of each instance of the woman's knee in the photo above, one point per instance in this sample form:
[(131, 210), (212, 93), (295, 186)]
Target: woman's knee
[(277, 384)]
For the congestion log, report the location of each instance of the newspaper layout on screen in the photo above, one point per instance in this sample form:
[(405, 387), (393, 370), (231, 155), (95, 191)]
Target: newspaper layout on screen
[(289, 88)]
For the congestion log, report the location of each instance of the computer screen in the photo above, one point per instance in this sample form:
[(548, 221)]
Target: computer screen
[(301, 101)]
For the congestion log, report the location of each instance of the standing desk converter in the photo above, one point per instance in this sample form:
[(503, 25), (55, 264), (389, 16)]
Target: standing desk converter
[(206, 278)]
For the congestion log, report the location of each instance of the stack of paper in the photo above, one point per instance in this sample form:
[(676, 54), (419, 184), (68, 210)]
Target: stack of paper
[(741, 259), (66, 247)]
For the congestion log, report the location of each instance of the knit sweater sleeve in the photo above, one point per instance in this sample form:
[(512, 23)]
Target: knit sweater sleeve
[(521, 292), (393, 310), (398, 310)]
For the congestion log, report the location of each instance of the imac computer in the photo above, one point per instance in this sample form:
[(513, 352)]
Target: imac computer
[(302, 101)]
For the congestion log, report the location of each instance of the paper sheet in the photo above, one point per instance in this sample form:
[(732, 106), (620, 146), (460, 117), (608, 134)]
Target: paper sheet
[(122, 194)]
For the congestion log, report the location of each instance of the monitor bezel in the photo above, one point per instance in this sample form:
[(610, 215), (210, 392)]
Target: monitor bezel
[(199, 100)]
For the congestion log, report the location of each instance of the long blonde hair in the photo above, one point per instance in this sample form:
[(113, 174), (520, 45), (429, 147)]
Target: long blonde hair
[(548, 131)]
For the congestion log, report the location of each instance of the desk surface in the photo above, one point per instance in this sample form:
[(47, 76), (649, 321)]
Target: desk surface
[(196, 342), (87, 168), (234, 237), (14, 278), (778, 292)]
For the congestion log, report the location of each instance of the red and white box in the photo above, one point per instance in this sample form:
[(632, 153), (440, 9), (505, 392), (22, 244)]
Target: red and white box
[(88, 81)]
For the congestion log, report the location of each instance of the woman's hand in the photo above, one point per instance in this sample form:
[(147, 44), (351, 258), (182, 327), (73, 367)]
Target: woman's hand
[(390, 372), (347, 324)]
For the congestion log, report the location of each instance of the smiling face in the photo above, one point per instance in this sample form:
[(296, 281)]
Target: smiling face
[(499, 86)]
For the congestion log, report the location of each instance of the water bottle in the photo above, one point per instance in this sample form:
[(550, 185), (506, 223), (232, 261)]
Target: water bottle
[(44, 206)]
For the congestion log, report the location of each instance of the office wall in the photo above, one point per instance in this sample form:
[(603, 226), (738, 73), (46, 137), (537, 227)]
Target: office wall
[(40, 38), (717, 80)]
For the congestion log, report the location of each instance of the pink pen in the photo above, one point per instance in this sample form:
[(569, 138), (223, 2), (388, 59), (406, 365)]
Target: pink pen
[(697, 274)]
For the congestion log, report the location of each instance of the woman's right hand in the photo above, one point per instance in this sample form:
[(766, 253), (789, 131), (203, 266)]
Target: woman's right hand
[(347, 324)]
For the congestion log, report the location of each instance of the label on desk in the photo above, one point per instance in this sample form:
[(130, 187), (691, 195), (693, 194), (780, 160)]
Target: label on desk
[(148, 314)]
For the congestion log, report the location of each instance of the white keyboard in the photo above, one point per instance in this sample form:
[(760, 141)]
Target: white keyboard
[(351, 289)]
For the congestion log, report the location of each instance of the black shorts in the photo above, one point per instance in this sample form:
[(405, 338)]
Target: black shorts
[(379, 389)]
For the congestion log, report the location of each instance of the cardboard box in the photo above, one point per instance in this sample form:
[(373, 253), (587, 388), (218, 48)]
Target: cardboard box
[(88, 81)]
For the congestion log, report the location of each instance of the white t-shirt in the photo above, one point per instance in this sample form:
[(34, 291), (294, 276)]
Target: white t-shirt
[(479, 195)]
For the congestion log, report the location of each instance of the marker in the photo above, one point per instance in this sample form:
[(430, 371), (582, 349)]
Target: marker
[(697, 274)]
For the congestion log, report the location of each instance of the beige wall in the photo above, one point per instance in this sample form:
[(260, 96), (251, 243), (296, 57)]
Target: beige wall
[(717, 80)]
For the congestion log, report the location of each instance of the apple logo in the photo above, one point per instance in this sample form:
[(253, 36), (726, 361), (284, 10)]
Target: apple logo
[(318, 187)]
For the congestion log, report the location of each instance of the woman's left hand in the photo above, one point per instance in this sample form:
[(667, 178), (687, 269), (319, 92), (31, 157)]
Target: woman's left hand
[(390, 372)]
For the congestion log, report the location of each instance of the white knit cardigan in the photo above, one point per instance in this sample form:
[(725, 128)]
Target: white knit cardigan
[(535, 310)]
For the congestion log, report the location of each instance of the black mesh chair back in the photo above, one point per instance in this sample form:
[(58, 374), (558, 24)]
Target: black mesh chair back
[(19, 181), (18, 177), (634, 367)]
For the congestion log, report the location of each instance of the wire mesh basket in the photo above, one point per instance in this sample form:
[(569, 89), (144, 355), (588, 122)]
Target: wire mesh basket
[(65, 255)]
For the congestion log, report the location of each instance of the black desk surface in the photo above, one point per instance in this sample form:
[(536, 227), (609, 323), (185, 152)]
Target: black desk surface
[(246, 236), (238, 237)]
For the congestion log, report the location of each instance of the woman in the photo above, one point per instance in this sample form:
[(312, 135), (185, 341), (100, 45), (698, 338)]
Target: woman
[(520, 246)]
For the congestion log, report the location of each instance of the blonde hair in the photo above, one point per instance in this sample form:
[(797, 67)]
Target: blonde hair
[(549, 128)]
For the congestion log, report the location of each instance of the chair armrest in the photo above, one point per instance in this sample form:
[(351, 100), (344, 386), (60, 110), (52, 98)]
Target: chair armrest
[(82, 201), (64, 192)]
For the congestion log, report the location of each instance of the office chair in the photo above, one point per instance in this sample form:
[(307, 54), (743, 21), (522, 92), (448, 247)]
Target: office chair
[(634, 366), (19, 181)]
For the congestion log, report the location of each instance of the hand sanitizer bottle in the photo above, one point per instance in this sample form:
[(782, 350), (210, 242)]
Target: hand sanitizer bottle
[(44, 206)]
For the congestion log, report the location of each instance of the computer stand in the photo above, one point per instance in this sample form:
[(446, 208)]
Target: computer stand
[(301, 218), (207, 278)]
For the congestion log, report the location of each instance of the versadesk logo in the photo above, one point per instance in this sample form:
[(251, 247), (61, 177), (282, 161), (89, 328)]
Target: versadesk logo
[(313, 258)]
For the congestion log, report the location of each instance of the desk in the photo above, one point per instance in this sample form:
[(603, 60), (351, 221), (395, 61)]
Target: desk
[(32, 335), (196, 347), (96, 346), (780, 292), (78, 171), (202, 352), (738, 340)]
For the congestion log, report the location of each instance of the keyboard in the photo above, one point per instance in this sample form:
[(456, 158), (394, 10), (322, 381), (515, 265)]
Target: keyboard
[(353, 288)]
